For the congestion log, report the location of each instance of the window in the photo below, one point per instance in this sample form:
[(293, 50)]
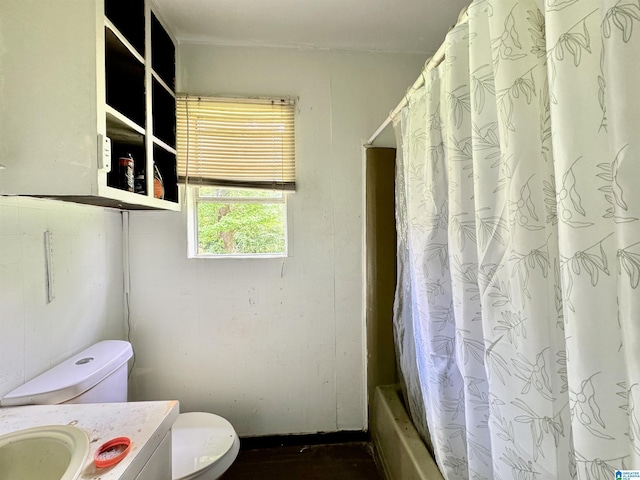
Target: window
[(237, 160), (239, 222)]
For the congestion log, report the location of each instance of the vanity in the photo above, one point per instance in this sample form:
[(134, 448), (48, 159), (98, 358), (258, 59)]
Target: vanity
[(146, 424)]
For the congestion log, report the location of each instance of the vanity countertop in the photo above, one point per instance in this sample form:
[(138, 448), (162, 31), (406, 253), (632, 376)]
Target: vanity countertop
[(145, 423)]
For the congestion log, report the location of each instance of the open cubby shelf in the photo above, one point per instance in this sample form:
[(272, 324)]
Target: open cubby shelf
[(128, 18), (120, 148), (163, 53), (125, 78), (164, 117), (144, 127), (166, 163)]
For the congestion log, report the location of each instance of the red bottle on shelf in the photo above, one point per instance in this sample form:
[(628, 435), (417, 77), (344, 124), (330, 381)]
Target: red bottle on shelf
[(125, 172)]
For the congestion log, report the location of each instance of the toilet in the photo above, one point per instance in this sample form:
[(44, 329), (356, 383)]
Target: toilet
[(204, 445)]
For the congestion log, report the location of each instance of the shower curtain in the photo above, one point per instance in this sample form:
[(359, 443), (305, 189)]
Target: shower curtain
[(518, 188)]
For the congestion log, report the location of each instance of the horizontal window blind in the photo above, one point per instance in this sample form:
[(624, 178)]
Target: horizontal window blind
[(236, 142)]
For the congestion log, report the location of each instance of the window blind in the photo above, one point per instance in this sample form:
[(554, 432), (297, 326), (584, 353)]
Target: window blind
[(236, 142)]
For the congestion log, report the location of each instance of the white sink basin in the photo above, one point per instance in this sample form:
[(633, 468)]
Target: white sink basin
[(52, 452)]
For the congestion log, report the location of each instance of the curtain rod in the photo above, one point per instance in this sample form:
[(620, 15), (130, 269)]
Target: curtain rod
[(429, 65)]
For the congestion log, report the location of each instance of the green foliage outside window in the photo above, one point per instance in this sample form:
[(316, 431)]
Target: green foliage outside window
[(227, 227)]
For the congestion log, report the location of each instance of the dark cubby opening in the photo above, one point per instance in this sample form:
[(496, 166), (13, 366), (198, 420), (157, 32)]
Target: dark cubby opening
[(166, 163), (128, 17), (164, 114), (122, 149), (163, 53), (124, 80)]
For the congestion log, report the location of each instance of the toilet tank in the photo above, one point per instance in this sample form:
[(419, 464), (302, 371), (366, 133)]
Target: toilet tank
[(95, 375)]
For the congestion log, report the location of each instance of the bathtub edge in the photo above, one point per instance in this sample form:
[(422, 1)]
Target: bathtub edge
[(398, 448)]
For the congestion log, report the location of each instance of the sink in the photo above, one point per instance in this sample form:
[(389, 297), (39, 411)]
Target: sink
[(51, 452)]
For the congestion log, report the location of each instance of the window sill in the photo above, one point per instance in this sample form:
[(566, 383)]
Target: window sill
[(239, 256)]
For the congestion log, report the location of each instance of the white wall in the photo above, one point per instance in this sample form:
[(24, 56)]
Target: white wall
[(87, 265), (276, 346)]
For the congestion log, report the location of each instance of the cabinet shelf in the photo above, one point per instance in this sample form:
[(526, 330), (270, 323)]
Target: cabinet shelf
[(166, 163), (164, 120), (134, 201), (158, 79), (151, 142), (124, 77), (122, 41), (119, 126), (163, 53), (128, 18), (161, 144)]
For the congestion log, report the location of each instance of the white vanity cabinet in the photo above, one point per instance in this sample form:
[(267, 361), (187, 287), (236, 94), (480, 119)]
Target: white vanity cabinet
[(72, 73), (159, 465)]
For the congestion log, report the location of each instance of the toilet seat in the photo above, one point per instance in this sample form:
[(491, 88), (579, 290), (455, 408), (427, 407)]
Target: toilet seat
[(202, 442)]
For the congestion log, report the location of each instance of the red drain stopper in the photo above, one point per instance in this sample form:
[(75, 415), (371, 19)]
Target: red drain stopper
[(111, 452)]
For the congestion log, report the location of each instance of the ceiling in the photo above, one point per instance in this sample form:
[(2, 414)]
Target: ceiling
[(380, 25)]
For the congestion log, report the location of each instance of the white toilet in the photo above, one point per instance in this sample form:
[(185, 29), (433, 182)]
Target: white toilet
[(204, 445)]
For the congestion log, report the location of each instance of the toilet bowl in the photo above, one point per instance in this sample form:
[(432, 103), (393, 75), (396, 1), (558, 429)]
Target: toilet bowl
[(204, 445)]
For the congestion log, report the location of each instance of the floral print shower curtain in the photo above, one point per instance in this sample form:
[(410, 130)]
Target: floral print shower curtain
[(519, 242)]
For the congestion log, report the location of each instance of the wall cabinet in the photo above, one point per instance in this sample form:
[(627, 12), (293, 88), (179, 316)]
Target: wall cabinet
[(72, 73)]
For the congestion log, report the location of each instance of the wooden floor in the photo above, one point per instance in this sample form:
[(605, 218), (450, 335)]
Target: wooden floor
[(346, 461)]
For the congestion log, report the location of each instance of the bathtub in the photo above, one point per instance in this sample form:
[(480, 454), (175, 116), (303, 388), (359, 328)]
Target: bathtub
[(399, 450)]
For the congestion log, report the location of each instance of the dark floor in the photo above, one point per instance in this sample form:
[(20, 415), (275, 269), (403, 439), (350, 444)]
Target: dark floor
[(345, 461)]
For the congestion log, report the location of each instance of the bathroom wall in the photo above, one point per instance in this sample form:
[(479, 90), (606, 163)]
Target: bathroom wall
[(276, 346), (87, 267)]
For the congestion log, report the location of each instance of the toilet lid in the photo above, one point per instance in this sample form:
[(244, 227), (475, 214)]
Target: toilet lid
[(198, 441)]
